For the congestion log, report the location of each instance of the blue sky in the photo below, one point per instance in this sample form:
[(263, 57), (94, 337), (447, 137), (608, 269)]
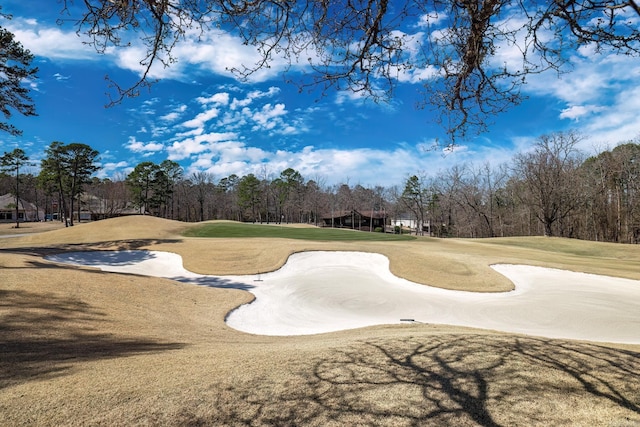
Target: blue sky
[(199, 115)]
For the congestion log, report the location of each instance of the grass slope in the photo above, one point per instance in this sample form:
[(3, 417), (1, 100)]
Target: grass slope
[(243, 230), (83, 347)]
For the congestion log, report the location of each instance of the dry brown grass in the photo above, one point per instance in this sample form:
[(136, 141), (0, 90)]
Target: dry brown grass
[(82, 347), (9, 228)]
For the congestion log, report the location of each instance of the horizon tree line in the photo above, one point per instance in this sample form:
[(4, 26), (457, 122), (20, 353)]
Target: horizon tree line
[(553, 189)]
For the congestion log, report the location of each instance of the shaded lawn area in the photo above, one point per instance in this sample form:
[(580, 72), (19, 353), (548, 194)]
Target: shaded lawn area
[(42, 336), (448, 380), (240, 230)]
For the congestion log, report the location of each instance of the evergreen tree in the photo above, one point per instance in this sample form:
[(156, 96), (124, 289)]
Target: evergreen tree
[(15, 70), (12, 162), (70, 166)]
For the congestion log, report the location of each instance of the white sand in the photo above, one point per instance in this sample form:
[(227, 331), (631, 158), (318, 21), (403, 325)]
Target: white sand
[(319, 292)]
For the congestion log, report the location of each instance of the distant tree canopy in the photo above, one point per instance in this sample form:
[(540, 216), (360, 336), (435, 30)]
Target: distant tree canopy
[(152, 186), (12, 162), (69, 168), (414, 198), (15, 71), (472, 56), (548, 189)]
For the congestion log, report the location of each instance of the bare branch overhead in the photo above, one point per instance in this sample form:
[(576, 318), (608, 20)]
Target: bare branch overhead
[(455, 49)]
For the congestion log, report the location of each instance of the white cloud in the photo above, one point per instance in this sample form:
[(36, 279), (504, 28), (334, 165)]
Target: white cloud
[(269, 93), (50, 42), (235, 120), (269, 116), (170, 117), (201, 119), (192, 132), (232, 151), (240, 103), (213, 51), (241, 114), (252, 96), (575, 112), (174, 115), (450, 149), (59, 77), (333, 166), (229, 157), (107, 170), (415, 75), (601, 91), (188, 147), (349, 96), (128, 58), (591, 78), (33, 85), (618, 122), (430, 19), (141, 147), (221, 98), (226, 153)]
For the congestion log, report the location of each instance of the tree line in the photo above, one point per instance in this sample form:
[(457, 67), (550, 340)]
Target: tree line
[(553, 189)]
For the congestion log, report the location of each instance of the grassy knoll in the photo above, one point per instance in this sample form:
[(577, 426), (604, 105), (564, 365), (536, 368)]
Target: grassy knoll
[(223, 229), (84, 347), (582, 248)]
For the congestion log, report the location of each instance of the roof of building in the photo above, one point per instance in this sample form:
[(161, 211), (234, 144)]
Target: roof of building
[(365, 214), (8, 201)]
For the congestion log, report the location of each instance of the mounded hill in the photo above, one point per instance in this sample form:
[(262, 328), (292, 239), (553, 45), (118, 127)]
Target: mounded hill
[(109, 230)]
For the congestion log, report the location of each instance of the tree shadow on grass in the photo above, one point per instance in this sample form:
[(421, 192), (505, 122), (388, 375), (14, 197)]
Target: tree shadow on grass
[(114, 245), (91, 258), (75, 260), (44, 335), (119, 259), (473, 380), (218, 282)]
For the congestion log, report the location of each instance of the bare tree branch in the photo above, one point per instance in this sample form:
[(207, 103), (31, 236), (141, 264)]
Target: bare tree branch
[(369, 46)]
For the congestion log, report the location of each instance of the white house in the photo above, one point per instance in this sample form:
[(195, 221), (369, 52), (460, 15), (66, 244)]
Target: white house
[(405, 220), (409, 221), (26, 211)]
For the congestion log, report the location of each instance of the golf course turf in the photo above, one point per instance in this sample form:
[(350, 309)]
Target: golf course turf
[(83, 347), (224, 229)]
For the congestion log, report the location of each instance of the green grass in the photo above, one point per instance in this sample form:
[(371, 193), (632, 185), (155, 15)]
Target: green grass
[(234, 230)]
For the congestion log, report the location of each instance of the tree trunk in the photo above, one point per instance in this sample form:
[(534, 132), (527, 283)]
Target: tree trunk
[(548, 231)]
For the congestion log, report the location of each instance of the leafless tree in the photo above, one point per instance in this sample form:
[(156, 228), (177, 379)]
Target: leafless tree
[(203, 183), (477, 189), (110, 197), (550, 179), (612, 212), (316, 204), (368, 46), (626, 180)]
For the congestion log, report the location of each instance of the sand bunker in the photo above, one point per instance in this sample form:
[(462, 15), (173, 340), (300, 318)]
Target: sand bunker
[(319, 292)]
